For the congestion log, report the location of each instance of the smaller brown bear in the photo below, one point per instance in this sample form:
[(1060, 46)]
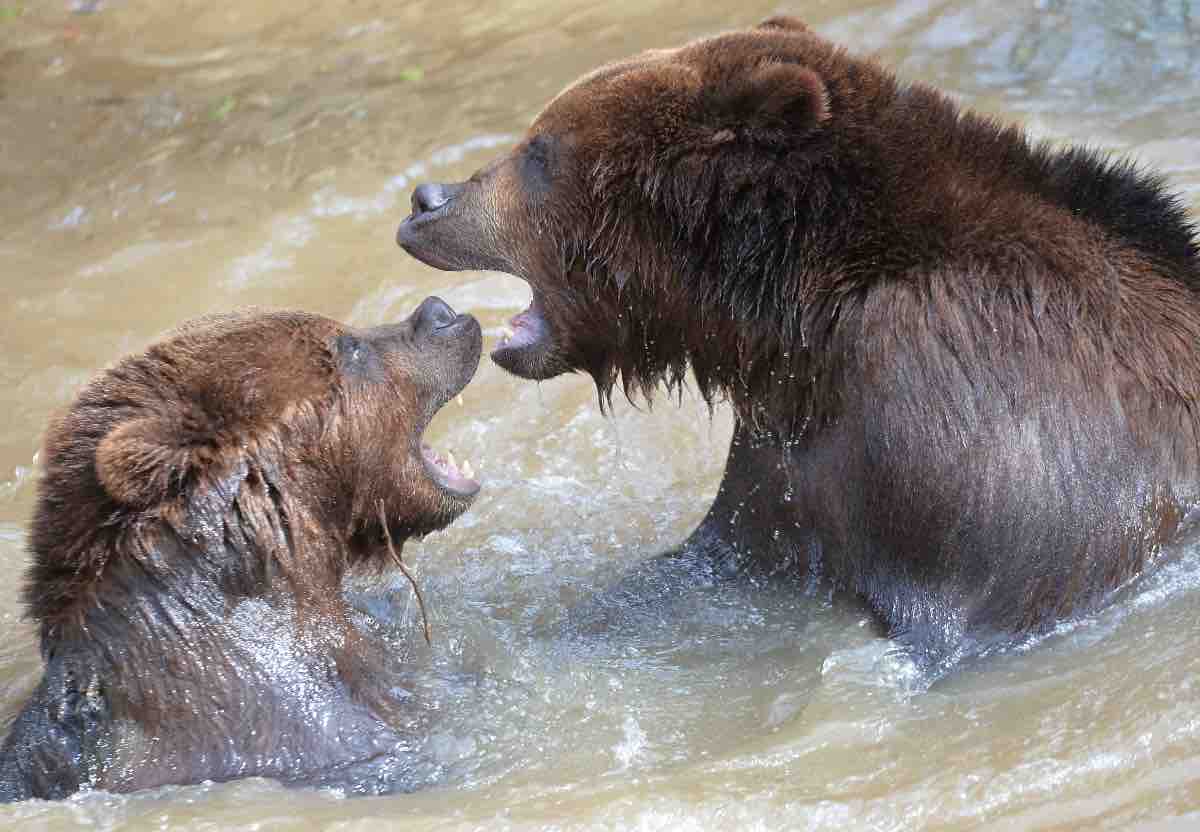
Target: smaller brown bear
[(200, 505)]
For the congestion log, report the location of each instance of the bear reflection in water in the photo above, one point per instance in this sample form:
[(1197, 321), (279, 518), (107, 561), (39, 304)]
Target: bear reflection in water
[(963, 366), (199, 508)]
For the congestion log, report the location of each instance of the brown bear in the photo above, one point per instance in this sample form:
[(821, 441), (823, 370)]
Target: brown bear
[(199, 506), (963, 365)]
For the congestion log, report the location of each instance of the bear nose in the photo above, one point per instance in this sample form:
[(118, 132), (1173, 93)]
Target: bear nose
[(429, 197), (433, 314)]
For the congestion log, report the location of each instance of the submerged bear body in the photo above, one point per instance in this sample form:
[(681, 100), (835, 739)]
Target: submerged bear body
[(964, 366), (199, 507)]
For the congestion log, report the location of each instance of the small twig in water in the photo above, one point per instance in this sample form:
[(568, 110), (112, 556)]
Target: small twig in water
[(387, 535)]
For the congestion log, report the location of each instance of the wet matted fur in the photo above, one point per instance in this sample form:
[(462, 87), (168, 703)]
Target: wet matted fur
[(964, 365), (199, 507)]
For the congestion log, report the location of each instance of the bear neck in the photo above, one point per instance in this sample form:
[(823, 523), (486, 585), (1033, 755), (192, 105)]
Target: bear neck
[(248, 533), (203, 657), (163, 576)]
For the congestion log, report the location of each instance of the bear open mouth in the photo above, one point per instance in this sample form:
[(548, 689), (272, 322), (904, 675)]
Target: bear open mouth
[(455, 479), (525, 340), (453, 476)]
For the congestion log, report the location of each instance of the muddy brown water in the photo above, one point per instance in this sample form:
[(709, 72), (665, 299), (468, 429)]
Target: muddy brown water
[(161, 160)]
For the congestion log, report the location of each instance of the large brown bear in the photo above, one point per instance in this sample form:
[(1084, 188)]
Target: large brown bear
[(199, 508), (964, 366)]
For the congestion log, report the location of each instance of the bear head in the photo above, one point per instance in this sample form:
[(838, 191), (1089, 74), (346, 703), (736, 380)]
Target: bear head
[(648, 194), (277, 436)]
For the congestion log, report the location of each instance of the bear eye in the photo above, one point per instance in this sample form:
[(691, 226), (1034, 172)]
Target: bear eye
[(537, 163), (352, 352)]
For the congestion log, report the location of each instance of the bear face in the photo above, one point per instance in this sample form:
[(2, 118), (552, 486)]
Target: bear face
[(199, 507), (633, 190), (330, 415)]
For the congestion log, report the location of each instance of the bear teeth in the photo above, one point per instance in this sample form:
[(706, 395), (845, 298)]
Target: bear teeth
[(448, 466)]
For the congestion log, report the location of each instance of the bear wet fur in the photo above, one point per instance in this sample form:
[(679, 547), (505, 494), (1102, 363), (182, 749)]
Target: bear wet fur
[(199, 507), (963, 365)]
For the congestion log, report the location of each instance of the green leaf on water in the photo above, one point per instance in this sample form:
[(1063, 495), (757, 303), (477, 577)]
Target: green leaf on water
[(412, 73), (223, 108)]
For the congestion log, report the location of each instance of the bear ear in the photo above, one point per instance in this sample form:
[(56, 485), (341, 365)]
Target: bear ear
[(774, 96), (143, 461), (784, 23)]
